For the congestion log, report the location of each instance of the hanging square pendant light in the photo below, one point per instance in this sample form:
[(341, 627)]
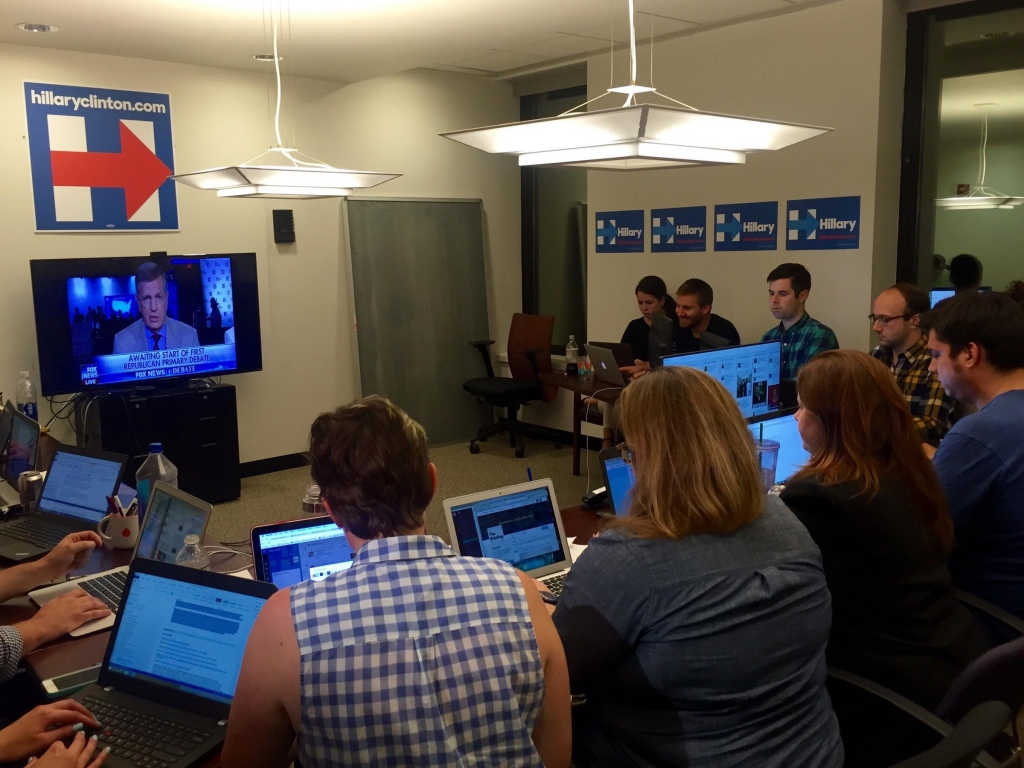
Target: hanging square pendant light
[(636, 136), (303, 179)]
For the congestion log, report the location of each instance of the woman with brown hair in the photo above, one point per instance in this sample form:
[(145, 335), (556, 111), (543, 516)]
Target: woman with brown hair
[(872, 502), (697, 625)]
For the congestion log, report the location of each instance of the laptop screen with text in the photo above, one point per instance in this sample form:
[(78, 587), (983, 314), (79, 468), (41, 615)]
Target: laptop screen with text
[(304, 554), (168, 521), (621, 480), (183, 636), (519, 528), (22, 449), (78, 486), (750, 373)]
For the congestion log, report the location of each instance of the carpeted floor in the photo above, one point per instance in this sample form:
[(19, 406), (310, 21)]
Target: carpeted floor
[(278, 496)]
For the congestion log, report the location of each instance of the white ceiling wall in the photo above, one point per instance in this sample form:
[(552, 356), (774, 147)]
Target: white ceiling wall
[(351, 40)]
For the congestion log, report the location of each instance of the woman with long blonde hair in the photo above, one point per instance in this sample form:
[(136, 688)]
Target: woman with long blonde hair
[(872, 501), (697, 625)]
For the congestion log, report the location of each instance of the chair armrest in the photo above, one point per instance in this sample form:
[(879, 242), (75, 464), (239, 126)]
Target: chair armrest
[(481, 347), (907, 707), (531, 354), (1005, 618), (967, 740)]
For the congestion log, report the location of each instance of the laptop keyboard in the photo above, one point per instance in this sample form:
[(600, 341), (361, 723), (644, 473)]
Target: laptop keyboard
[(555, 584), (35, 531), (141, 739), (107, 588)]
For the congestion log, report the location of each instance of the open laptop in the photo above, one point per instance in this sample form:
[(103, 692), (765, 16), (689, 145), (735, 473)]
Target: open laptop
[(19, 435), (623, 352), (519, 524), (619, 479), (751, 373), (74, 498), (288, 552), (170, 517), (782, 428), (606, 367), (171, 665)]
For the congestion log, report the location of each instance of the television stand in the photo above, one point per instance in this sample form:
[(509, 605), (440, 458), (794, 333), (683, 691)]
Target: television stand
[(198, 428)]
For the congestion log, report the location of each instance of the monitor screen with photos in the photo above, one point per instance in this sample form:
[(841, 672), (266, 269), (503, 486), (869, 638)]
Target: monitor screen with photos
[(519, 528), (131, 320), (751, 373), (296, 553)]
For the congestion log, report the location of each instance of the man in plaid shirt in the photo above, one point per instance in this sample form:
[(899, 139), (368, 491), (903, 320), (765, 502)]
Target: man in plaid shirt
[(902, 346), (801, 335)]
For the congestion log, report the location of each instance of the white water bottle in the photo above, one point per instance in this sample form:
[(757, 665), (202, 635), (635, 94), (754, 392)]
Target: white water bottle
[(25, 397), (572, 357)]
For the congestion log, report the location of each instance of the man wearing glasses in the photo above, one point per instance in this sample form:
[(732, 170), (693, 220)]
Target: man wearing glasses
[(903, 347)]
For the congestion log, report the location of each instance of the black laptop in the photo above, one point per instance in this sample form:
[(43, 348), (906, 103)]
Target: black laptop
[(19, 447), (74, 498), (172, 664)]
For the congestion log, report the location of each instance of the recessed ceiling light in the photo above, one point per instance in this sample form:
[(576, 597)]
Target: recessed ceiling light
[(28, 27), (266, 57), (996, 35)]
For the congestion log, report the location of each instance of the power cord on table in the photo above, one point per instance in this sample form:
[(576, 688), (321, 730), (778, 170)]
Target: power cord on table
[(591, 399)]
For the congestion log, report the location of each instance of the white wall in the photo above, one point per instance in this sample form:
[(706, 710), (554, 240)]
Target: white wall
[(220, 116), (836, 65)]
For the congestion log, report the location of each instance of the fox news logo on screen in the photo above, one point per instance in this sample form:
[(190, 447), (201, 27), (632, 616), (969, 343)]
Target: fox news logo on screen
[(101, 159)]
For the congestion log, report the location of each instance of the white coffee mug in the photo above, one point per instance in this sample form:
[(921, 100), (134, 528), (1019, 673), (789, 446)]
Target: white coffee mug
[(119, 532)]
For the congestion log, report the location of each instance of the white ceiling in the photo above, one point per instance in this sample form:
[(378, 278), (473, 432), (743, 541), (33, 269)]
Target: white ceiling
[(972, 28), (350, 40)]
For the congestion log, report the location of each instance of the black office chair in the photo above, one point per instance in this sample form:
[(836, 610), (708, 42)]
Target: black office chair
[(966, 741), (879, 727), (529, 355)]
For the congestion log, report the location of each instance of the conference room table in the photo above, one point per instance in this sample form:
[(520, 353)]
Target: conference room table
[(582, 387), (69, 654)]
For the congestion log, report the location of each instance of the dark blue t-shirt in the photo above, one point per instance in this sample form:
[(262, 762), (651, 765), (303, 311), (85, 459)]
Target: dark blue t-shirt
[(981, 467)]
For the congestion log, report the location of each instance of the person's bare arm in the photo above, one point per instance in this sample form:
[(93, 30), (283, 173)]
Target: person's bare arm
[(72, 552), (265, 712), (552, 733)]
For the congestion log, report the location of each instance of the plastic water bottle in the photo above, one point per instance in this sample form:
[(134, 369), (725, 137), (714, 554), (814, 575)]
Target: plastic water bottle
[(25, 397), (192, 555), (155, 467), (572, 357)]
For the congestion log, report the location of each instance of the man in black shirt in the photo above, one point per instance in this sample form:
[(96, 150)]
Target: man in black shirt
[(693, 308)]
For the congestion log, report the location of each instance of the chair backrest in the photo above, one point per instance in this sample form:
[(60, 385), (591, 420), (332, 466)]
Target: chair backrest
[(531, 332), (967, 741), (997, 675)]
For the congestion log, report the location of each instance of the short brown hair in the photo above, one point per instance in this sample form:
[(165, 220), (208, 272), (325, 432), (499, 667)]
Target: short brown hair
[(917, 299), (869, 436), (696, 466), (697, 287), (370, 461)]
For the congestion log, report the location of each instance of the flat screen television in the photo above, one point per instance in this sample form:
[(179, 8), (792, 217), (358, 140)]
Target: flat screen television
[(104, 323)]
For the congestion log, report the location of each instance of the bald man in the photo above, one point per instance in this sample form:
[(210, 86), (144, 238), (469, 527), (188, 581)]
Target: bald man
[(902, 346)]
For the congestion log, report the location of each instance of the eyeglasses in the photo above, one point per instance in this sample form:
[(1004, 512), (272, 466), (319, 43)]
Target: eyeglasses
[(884, 320)]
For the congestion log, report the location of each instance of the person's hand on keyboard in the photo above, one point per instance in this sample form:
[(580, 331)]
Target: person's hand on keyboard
[(60, 616), (73, 552), (81, 754), (42, 727)]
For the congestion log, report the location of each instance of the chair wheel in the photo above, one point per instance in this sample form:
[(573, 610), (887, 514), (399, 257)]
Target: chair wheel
[(520, 452), (474, 448)]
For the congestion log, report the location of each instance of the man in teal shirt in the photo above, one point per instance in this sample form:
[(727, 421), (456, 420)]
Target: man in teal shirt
[(801, 335)]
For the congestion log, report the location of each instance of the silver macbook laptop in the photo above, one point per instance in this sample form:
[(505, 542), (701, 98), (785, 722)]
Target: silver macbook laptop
[(170, 517), (519, 524), (606, 369)]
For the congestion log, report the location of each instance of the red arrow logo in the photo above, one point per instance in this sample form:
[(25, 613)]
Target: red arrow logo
[(134, 169)]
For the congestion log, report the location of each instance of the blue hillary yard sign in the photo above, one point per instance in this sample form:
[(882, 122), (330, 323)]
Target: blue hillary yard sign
[(823, 224), (747, 226), (101, 159), (620, 232), (677, 230)]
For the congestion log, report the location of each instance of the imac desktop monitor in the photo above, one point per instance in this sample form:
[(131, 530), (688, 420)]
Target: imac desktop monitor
[(751, 373)]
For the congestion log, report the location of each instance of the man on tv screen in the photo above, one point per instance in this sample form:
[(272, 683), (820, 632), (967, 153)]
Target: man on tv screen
[(155, 330)]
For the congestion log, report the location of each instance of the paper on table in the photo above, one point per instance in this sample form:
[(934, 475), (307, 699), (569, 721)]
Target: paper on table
[(575, 550)]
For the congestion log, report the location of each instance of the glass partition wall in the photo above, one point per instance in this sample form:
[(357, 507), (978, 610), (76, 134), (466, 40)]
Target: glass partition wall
[(963, 143)]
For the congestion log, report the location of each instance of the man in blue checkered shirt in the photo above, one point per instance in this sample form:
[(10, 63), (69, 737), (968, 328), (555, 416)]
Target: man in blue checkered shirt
[(411, 656), (801, 335)]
